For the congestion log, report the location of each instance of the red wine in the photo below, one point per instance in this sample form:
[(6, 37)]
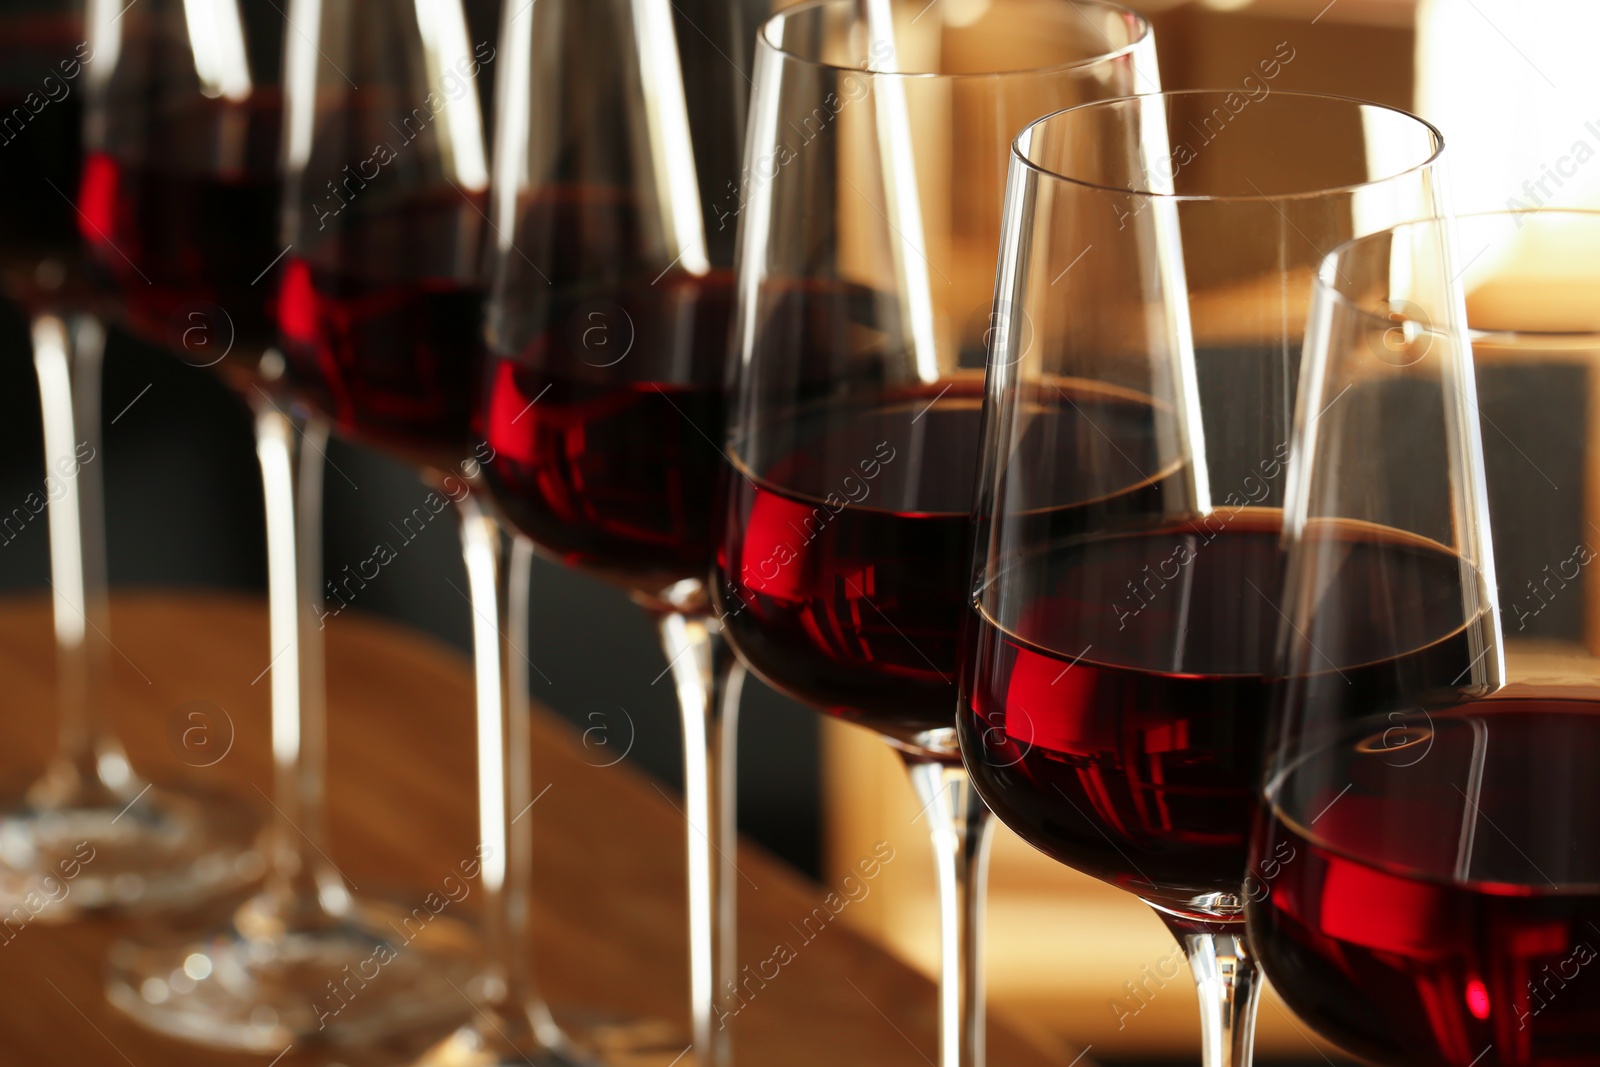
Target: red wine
[(607, 428), (846, 563), (1437, 897), (382, 325), (188, 254), (44, 61), (1116, 700)]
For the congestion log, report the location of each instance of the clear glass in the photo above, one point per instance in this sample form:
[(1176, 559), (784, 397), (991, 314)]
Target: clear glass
[(182, 196), (149, 847), (1150, 308), (869, 229), (603, 406), (1430, 816)]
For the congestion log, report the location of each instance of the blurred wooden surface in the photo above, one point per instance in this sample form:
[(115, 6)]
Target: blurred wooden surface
[(608, 918)]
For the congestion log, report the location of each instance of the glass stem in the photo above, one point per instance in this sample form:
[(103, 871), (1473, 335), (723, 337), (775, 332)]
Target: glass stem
[(1229, 985), (523, 1022), (961, 828), (301, 882), (708, 678), (89, 768)]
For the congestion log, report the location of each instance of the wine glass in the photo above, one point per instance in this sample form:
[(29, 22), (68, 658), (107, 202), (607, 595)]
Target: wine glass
[(1151, 296), (870, 224), (603, 406), (1438, 865), (149, 846), (381, 316), (183, 191)]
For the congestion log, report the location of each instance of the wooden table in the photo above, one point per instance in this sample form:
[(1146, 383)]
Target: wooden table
[(609, 926)]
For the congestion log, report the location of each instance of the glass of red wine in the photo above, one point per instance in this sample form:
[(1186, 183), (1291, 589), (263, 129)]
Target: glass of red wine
[(603, 405), (182, 194), (1437, 858), (1150, 308), (870, 225), (130, 845)]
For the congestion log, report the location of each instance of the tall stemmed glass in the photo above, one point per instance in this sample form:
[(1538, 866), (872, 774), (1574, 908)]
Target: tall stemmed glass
[(126, 843), (870, 226), (382, 323), (608, 328), (183, 193), (1439, 888), (1153, 283)]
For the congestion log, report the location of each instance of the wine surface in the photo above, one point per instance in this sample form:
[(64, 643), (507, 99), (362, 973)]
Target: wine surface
[(187, 254), (847, 561), (382, 324), (1116, 719), (1436, 898), (606, 428)]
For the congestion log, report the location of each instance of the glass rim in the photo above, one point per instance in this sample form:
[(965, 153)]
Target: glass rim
[(1326, 280), (764, 38), (1020, 155)]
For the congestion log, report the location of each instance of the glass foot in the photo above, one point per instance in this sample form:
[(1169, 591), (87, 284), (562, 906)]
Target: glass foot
[(484, 1041), (377, 970), (628, 1042), (490, 1039), (154, 849)]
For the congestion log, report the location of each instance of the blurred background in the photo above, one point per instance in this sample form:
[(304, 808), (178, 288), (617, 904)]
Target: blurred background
[(1067, 955)]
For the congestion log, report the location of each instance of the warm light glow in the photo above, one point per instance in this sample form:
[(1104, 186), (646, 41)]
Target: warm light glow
[(1516, 90)]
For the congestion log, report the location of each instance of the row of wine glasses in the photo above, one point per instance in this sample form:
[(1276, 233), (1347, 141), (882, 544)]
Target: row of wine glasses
[(180, 201), (224, 214), (177, 845), (1198, 525), (1242, 640)]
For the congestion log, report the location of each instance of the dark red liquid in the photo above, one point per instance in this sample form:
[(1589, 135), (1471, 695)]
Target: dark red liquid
[(382, 325), (42, 86), (846, 564), (186, 252), (607, 428), (1116, 721), (1437, 895)]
